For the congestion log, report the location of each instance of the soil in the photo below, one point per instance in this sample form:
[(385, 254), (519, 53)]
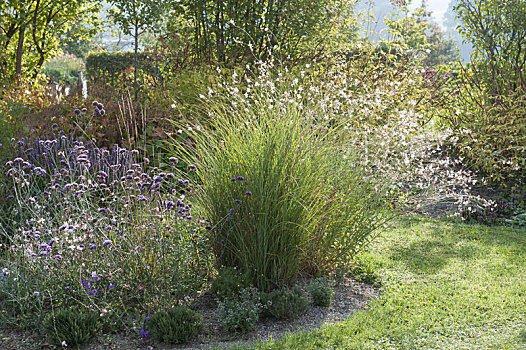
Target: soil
[(350, 296)]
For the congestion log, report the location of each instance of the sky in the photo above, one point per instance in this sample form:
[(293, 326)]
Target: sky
[(438, 7)]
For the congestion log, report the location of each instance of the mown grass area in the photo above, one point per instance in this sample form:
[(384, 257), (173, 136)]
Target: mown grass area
[(444, 286)]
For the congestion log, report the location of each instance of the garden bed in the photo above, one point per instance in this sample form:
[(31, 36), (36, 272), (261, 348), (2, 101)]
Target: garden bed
[(350, 296)]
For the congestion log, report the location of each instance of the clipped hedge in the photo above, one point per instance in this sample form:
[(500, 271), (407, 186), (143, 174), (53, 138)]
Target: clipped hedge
[(110, 67)]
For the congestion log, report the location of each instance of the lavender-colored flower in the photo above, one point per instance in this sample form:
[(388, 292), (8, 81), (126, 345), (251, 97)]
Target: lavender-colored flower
[(240, 177), (144, 333), (36, 294), (147, 318), (193, 167), (106, 242), (248, 193), (77, 111), (237, 201), (111, 286), (233, 179), (92, 246)]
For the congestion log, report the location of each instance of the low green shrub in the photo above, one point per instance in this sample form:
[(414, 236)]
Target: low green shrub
[(176, 325), (229, 282), (286, 303), (320, 292), (240, 313), (69, 327)]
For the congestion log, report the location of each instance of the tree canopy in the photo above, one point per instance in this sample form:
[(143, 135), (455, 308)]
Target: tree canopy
[(30, 31)]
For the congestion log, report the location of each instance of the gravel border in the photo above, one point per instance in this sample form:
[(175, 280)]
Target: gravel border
[(350, 296)]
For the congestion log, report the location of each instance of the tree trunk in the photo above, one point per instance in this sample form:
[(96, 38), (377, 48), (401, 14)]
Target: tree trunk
[(19, 53), (136, 38)]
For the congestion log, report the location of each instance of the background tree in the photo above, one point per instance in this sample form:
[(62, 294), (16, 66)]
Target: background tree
[(233, 31), (414, 30), (30, 31), (135, 17), (490, 92)]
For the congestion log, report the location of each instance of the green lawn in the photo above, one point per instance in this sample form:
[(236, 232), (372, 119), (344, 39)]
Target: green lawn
[(444, 286)]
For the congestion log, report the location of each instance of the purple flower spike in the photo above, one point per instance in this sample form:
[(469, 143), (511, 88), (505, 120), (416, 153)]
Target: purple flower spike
[(36, 294), (240, 177), (106, 242), (248, 193)]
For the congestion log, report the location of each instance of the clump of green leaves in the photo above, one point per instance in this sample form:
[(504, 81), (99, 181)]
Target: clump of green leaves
[(320, 292), (286, 303), (74, 327), (176, 325), (242, 313), (229, 282), (280, 185)]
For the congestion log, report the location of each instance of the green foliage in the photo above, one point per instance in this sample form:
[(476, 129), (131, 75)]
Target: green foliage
[(236, 31), (278, 189), (320, 292), (487, 111), (229, 282), (30, 32), (63, 69), (112, 67), (415, 31), (408, 31), (240, 313), (74, 327), (286, 303), (176, 325)]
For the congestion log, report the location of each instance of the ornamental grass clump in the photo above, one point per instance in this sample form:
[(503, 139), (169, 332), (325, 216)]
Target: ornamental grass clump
[(281, 187)]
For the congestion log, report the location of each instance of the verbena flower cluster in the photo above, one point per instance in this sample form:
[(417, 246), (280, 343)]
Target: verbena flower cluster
[(98, 226)]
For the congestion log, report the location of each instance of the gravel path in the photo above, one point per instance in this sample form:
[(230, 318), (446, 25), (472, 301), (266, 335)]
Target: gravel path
[(349, 297)]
